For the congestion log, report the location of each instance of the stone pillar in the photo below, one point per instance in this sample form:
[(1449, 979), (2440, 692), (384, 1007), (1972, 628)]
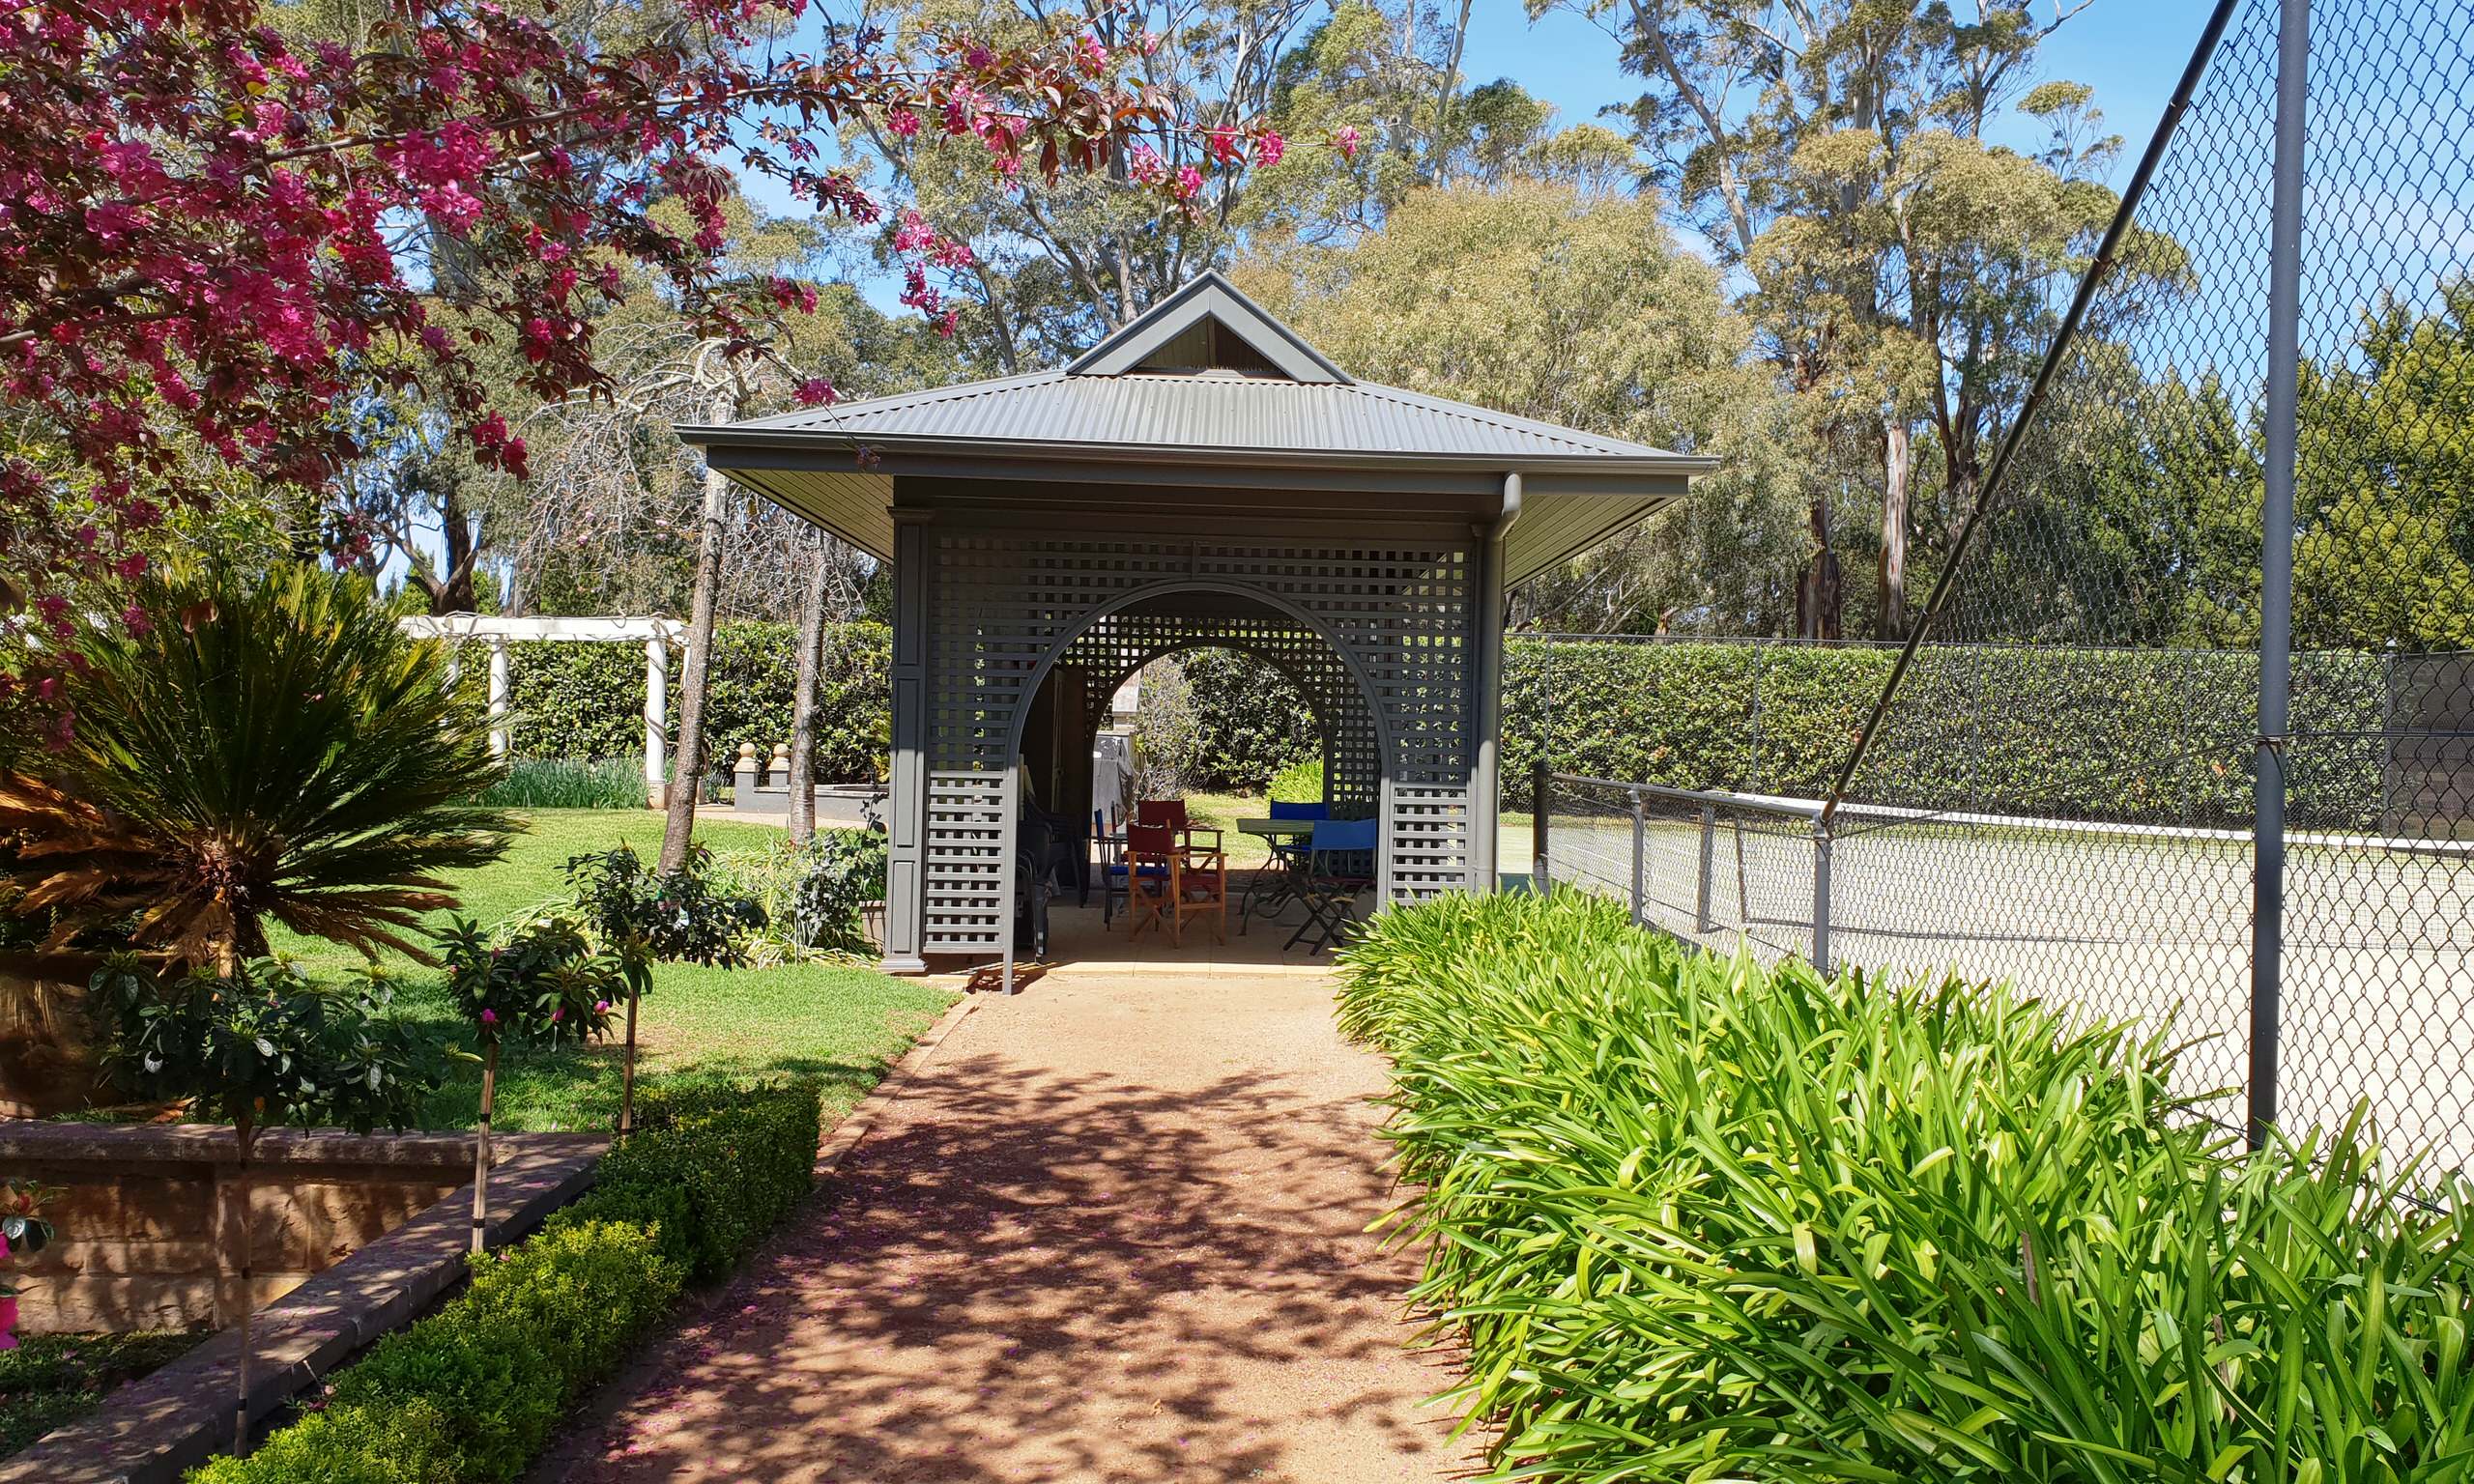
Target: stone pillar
[(656, 721), (498, 697), (743, 777)]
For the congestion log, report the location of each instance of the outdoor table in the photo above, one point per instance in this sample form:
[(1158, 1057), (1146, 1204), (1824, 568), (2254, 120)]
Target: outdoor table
[(1271, 892)]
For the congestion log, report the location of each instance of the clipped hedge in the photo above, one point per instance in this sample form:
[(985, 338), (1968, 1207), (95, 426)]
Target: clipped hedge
[(1697, 1219), (582, 701), (2159, 736), (709, 1168), (470, 1394)]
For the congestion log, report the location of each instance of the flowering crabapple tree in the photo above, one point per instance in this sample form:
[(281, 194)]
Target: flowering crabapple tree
[(214, 239)]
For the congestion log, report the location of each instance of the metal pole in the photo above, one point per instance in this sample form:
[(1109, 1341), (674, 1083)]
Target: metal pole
[(1539, 775), (1640, 861), (1821, 896), (2276, 560), (1709, 867)]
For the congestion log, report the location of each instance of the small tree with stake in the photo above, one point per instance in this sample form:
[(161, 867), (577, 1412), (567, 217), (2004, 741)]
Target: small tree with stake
[(647, 918), (544, 983), (257, 1046)]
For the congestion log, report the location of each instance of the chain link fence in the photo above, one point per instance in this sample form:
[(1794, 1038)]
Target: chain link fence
[(2238, 507)]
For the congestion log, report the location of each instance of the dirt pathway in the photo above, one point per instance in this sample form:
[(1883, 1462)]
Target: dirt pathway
[(1114, 1232)]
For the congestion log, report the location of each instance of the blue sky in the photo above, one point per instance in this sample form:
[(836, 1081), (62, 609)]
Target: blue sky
[(2130, 52)]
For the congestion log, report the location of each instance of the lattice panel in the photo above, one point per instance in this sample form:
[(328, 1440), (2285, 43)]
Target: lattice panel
[(970, 849), (1000, 603), (1119, 645), (1429, 833)]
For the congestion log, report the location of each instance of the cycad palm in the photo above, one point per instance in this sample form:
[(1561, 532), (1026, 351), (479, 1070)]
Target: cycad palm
[(251, 748)]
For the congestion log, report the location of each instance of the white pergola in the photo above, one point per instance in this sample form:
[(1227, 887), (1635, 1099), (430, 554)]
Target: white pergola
[(655, 633)]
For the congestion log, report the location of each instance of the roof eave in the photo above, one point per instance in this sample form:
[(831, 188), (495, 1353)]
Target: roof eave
[(1658, 464)]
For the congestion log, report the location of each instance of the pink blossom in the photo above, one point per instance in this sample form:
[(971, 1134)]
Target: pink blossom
[(1269, 146), (1145, 164), (816, 391), (1346, 141), (1220, 144), (489, 1016), (1189, 183)]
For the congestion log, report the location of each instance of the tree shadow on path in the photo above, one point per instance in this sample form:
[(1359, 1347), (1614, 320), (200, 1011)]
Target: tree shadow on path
[(1153, 1269)]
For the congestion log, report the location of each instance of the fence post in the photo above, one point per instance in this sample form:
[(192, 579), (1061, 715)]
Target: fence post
[(1709, 867), (1539, 787), (1640, 860), (1821, 896), (2276, 562)]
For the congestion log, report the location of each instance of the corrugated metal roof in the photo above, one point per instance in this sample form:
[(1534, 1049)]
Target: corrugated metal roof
[(1207, 410)]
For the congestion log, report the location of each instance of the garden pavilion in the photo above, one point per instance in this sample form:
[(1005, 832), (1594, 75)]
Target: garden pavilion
[(1201, 478)]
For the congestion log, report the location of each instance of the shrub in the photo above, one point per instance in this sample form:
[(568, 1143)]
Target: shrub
[(841, 872), (1299, 782), (711, 1168), (1696, 1219), (565, 783), (472, 1392), (1252, 720)]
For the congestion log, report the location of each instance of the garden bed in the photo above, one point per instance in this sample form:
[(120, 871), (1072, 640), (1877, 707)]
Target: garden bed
[(1695, 1217)]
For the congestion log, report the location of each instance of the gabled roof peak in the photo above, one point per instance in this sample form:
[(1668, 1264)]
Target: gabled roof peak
[(1209, 326)]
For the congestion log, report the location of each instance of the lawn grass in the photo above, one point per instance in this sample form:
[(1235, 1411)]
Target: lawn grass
[(840, 1025), (52, 1379)]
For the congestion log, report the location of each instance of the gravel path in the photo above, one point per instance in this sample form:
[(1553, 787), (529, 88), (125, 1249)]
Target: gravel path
[(1114, 1231)]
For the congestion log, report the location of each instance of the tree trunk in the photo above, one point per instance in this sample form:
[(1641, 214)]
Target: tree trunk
[(802, 767), (1821, 595), (481, 1144), (244, 1133), (687, 773), (1898, 469)]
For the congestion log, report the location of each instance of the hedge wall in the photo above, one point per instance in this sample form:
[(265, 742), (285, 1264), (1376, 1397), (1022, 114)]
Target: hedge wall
[(587, 701), (2128, 734), (2124, 734)]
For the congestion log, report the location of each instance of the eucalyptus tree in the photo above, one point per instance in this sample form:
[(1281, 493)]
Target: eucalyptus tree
[(1850, 159), (1580, 308)]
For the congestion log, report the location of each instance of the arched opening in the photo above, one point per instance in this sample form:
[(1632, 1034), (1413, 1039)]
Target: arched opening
[(1068, 703)]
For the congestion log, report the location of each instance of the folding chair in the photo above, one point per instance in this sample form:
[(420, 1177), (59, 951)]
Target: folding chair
[(1288, 851), (1173, 814), (1149, 894), (1339, 864), (1197, 887), (1116, 873)]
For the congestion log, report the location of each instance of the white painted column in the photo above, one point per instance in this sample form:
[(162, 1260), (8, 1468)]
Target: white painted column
[(498, 697), (656, 719)]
